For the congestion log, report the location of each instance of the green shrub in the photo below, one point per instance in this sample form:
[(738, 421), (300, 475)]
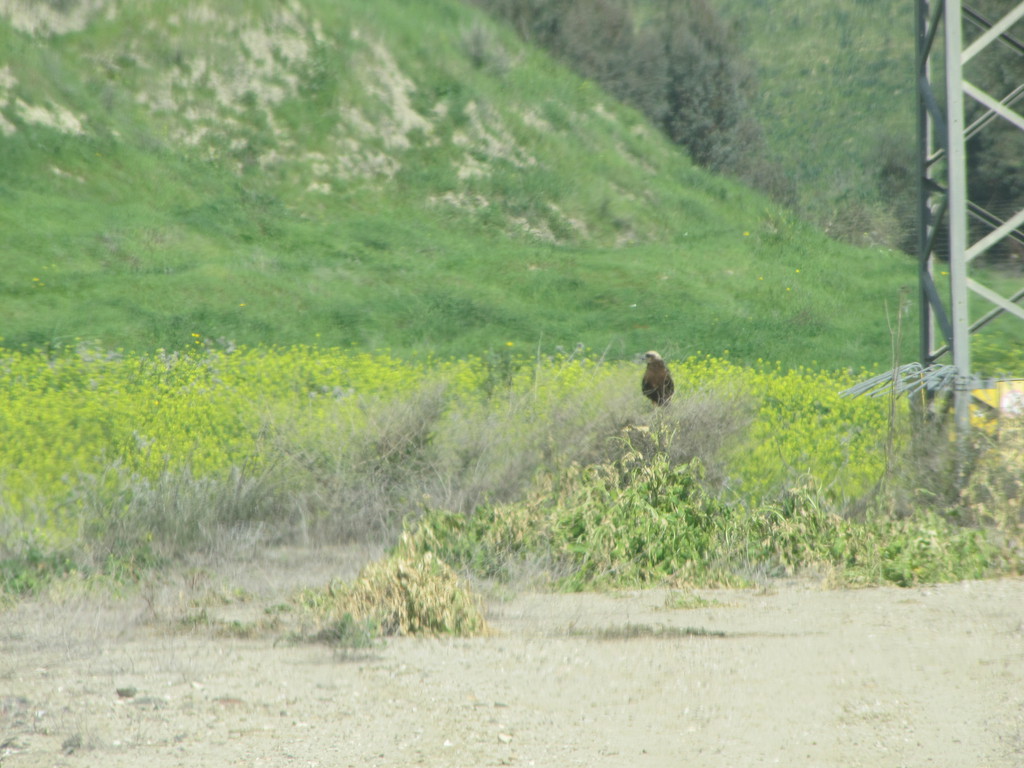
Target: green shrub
[(643, 522), (632, 523), (806, 532), (29, 571)]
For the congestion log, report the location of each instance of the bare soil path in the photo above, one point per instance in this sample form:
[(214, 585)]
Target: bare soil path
[(791, 675)]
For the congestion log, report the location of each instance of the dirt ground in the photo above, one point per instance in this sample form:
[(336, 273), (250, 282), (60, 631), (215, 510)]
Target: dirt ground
[(789, 674)]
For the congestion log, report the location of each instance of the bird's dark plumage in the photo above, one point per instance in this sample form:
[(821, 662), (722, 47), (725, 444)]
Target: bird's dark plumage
[(657, 382)]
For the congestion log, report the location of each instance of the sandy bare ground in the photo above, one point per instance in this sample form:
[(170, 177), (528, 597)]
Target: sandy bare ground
[(788, 675)]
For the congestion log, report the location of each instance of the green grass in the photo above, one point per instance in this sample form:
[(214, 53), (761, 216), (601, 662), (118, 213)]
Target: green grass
[(378, 186), (836, 86)]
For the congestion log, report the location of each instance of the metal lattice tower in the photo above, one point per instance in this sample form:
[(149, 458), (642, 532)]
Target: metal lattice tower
[(944, 210)]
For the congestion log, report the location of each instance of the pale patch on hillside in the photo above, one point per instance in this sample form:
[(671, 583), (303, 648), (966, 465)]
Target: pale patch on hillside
[(214, 94), (487, 136), (542, 231), (54, 17), (533, 119), (210, 93), (601, 111), (61, 173), (385, 82), (369, 145), (234, 84), (537, 230), (51, 116), (461, 200), (471, 168), (7, 81), (579, 226)]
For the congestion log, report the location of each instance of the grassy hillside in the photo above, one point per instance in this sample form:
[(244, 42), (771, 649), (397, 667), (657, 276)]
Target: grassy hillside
[(837, 105), (388, 175), (836, 94)]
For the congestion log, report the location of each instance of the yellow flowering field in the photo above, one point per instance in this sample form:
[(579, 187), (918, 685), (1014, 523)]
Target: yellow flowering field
[(106, 416), (803, 427)]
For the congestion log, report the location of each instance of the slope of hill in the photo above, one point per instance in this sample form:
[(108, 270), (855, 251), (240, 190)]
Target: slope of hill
[(385, 175), (836, 101)]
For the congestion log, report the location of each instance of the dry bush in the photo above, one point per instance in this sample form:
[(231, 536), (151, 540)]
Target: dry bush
[(357, 478), (867, 224), (702, 424), (994, 494), (179, 514), (922, 472), (408, 593), (433, 449)]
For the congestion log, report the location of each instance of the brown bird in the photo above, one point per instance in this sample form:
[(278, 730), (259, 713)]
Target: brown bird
[(657, 382)]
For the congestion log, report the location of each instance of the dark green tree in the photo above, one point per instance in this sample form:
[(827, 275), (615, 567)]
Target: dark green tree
[(676, 62)]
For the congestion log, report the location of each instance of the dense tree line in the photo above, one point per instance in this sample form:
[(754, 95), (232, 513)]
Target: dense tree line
[(677, 62)]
